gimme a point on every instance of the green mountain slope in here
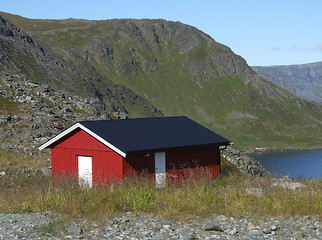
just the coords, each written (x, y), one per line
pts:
(20, 53)
(174, 69)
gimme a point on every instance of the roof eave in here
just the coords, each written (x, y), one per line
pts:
(143, 151)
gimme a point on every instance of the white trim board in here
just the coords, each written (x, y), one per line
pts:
(59, 136)
(94, 135)
(160, 169)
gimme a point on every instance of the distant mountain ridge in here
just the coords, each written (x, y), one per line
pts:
(144, 68)
(303, 80)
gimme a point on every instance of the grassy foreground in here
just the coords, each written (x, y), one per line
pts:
(204, 197)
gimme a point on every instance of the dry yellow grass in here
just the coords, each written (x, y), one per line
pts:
(228, 195)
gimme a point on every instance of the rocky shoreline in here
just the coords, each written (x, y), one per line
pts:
(244, 163)
(47, 225)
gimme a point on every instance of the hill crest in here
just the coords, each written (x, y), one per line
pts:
(154, 68)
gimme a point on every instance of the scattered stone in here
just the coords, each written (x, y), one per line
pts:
(267, 231)
(211, 226)
(234, 231)
(254, 191)
(288, 184)
(222, 218)
(253, 232)
(166, 226)
(2, 173)
(74, 229)
(46, 171)
(273, 228)
(47, 225)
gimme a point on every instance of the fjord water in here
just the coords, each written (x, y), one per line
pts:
(303, 164)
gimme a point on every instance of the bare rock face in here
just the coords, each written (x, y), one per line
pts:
(4, 30)
(304, 80)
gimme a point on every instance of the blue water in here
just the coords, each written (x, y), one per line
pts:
(303, 164)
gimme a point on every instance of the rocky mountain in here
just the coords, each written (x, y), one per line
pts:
(304, 80)
(141, 68)
(20, 53)
(32, 112)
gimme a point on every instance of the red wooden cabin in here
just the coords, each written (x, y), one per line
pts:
(163, 148)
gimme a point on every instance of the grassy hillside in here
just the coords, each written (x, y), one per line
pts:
(178, 70)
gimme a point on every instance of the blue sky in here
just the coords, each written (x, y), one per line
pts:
(264, 32)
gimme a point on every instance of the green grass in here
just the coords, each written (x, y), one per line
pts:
(22, 173)
(173, 90)
(195, 196)
(16, 161)
(8, 106)
(203, 198)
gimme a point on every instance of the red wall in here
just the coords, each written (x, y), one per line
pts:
(136, 164)
(78, 139)
(107, 165)
(181, 164)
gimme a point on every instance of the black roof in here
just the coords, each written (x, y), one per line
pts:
(154, 134)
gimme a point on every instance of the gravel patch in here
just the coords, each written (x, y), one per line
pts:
(21, 226)
(133, 226)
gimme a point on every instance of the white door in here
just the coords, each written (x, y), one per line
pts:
(85, 171)
(160, 172)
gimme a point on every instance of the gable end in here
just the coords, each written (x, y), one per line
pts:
(52, 141)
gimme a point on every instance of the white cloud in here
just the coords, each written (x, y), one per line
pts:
(295, 48)
(319, 47)
(276, 49)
